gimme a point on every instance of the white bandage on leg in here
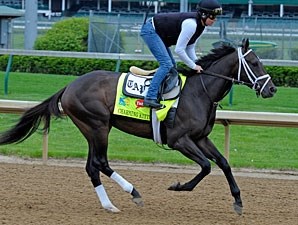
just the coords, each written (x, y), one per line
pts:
(104, 199)
(122, 182)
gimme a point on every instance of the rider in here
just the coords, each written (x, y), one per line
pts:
(180, 29)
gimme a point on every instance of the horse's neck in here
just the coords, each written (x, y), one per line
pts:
(216, 88)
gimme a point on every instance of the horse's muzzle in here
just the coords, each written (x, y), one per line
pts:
(268, 92)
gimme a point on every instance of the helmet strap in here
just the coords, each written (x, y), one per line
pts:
(203, 17)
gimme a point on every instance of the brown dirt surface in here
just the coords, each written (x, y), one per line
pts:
(61, 193)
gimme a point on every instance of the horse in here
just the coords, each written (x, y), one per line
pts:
(89, 102)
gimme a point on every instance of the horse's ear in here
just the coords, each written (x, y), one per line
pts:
(245, 44)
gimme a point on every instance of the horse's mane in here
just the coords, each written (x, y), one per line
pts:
(214, 55)
(206, 61)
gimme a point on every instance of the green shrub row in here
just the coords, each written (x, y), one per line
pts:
(68, 66)
(281, 76)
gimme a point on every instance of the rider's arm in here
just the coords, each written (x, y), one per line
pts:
(186, 53)
(191, 51)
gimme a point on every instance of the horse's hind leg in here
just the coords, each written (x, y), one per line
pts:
(128, 187)
(93, 166)
(92, 119)
(213, 154)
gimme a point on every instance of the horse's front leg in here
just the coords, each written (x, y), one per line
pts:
(188, 148)
(97, 162)
(213, 154)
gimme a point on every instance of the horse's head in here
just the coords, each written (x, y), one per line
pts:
(251, 70)
(244, 68)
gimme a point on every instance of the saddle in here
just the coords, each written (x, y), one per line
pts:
(137, 82)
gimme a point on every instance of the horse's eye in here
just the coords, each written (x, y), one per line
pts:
(255, 64)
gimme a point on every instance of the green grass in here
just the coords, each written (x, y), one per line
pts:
(251, 146)
(244, 99)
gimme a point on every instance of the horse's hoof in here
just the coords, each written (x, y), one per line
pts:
(174, 187)
(238, 209)
(138, 201)
(112, 209)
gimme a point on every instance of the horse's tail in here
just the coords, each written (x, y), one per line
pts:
(31, 119)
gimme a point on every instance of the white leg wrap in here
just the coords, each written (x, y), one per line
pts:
(104, 199)
(122, 182)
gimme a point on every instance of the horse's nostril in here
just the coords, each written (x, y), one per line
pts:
(273, 89)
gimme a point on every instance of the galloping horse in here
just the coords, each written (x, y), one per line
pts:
(89, 102)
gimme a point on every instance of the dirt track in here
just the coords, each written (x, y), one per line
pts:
(61, 193)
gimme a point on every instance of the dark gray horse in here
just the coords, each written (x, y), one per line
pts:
(89, 103)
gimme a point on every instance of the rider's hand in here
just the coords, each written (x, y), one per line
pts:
(198, 68)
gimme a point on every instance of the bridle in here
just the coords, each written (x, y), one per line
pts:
(250, 74)
(254, 80)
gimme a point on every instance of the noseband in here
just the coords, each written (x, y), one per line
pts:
(250, 74)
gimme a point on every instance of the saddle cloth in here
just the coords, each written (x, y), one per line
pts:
(131, 90)
(130, 94)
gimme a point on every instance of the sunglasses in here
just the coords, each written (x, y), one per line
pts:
(212, 15)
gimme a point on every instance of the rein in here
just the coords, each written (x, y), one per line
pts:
(220, 76)
(233, 80)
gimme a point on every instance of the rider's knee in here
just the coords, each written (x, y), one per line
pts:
(166, 66)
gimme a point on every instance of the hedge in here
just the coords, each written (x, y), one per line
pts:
(281, 76)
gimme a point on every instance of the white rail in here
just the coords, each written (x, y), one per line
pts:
(225, 118)
(272, 119)
(117, 56)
